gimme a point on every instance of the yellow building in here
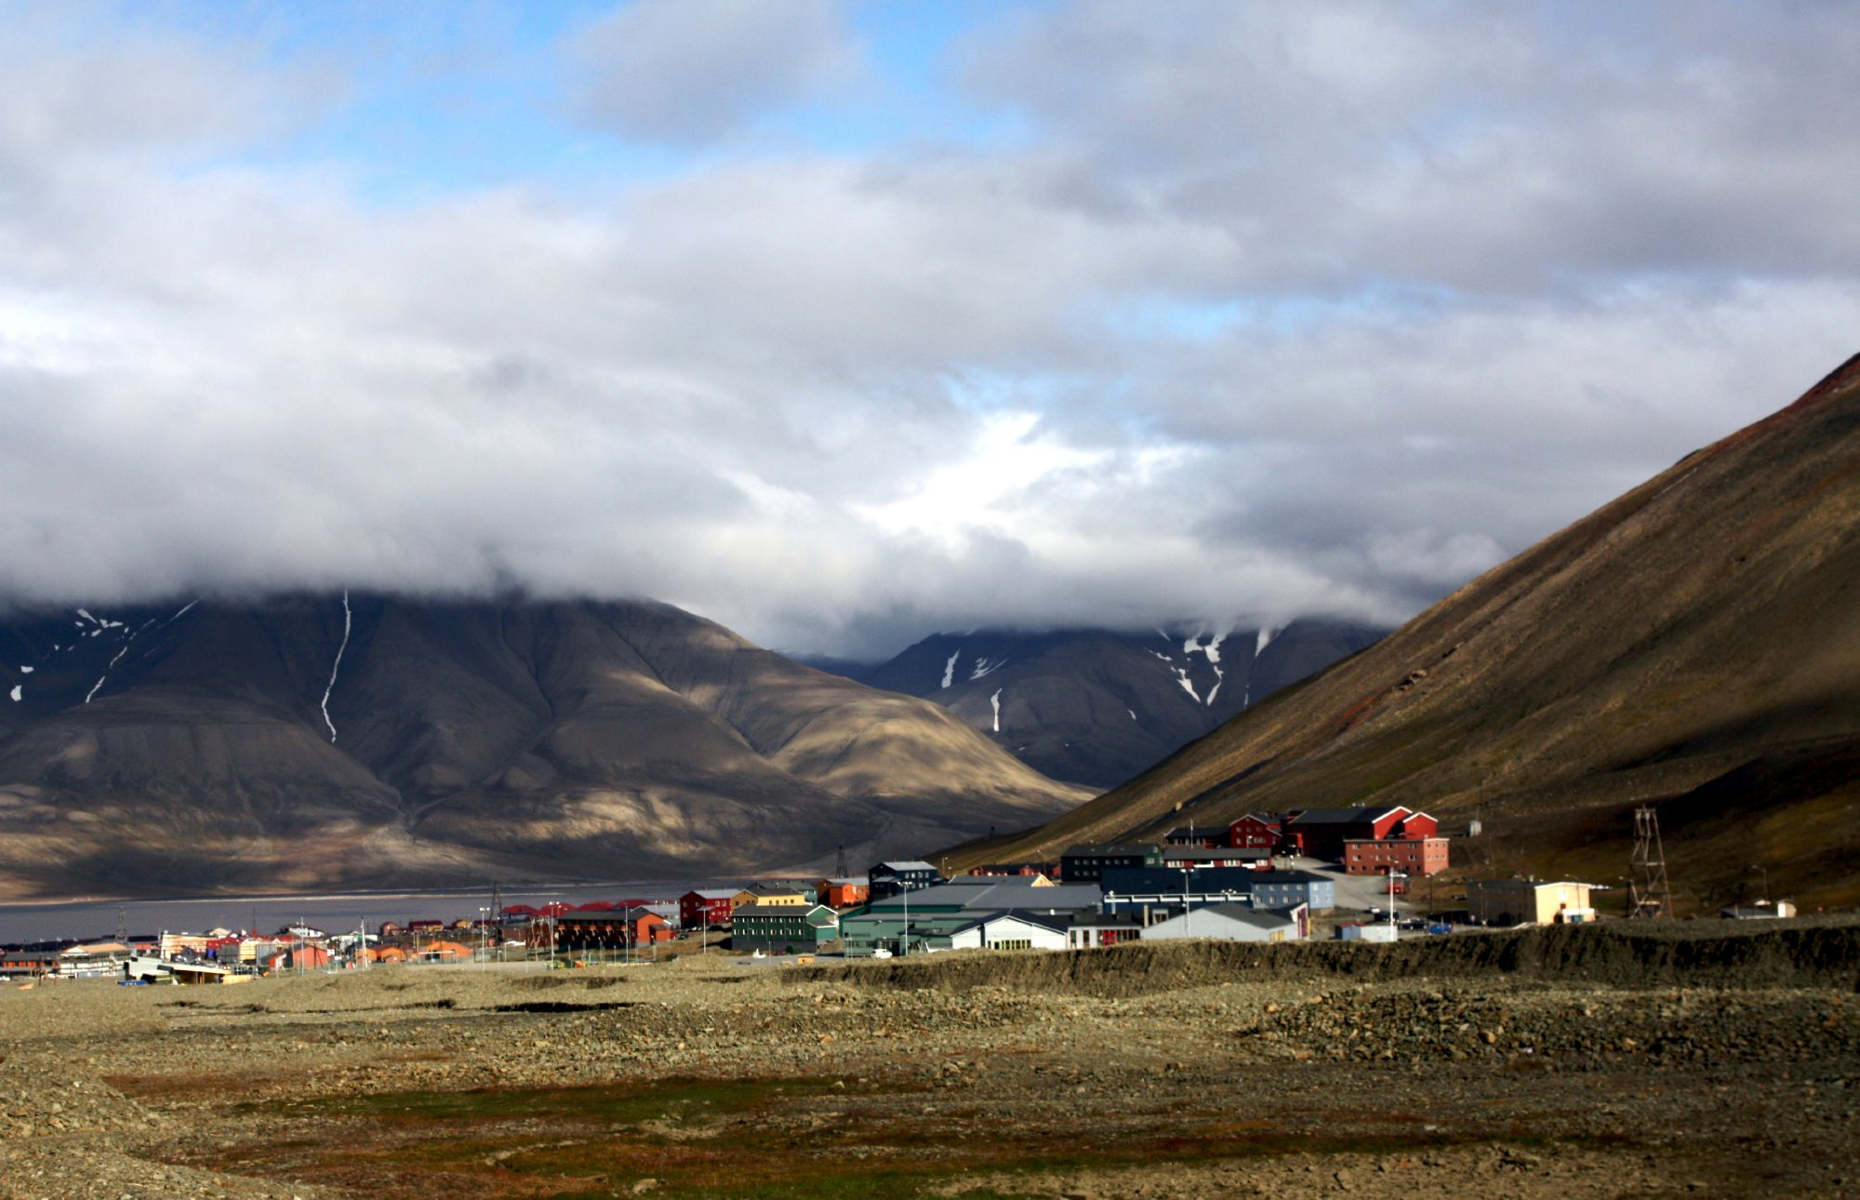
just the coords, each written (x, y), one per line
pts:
(774, 897)
(1527, 902)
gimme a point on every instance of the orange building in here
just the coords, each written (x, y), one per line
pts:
(842, 893)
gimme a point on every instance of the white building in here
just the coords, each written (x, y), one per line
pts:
(1230, 923)
(1010, 931)
(1528, 902)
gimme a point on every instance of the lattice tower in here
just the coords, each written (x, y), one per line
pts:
(1648, 893)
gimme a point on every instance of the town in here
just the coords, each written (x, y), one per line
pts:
(1282, 877)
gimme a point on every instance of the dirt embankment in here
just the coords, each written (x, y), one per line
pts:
(1677, 954)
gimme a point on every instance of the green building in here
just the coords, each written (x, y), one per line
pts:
(783, 928)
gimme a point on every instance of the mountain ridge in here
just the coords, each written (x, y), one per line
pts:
(1098, 706)
(1705, 622)
(395, 742)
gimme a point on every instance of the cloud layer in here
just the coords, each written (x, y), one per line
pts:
(1251, 311)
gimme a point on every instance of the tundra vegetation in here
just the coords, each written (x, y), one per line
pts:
(1604, 1061)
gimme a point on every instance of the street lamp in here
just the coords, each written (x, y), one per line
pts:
(1188, 914)
(1766, 880)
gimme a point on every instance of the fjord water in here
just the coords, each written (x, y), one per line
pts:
(98, 919)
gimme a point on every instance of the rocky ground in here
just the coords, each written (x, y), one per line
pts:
(1506, 1069)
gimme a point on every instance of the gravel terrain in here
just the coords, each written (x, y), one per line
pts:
(1510, 1065)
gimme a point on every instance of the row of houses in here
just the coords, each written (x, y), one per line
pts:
(1033, 911)
(716, 908)
(1367, 840)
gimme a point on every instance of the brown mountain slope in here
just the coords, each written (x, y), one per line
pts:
(368, 741)
(1695, 643)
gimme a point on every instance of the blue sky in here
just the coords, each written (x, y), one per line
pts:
(844, 322)
(437, 98)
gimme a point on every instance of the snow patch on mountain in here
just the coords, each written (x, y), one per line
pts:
(1264, 639)
(16, 693)
(949, 668)
(335, 666)
(996, 701)
(986, 666)
(1192, 645)
(94, 687)
(25, 670)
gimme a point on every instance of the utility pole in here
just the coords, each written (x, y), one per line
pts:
(497, 919)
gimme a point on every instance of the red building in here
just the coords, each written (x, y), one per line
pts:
(647, 927)
(1255, 832)
(1416, 856)
(612, 930)
(705, 907)
(300, 958)
(1322, 832)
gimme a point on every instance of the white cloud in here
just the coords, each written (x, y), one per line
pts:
(684, 71)
(1273, 309)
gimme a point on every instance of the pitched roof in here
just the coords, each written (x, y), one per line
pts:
(895, 867)
(1099, 920)
(1345, 816)
(1258, 918)
(752, 909)
(1144, 848)
(776, 889)
(1057, 922)
(1170, 880)
(1291, 876)
(1335, 816)
(1172, 853)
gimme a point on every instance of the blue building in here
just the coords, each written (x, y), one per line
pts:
(891, 878)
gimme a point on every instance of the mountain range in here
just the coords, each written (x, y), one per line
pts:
(1693, 645)
(359, 740)
(1096, 707)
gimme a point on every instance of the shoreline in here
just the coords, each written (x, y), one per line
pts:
(518, 887)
